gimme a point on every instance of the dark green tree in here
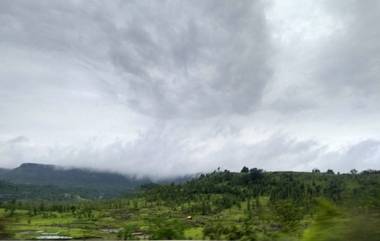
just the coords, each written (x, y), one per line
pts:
(3, 233)
(244, 170)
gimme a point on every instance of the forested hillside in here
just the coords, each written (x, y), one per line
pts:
(42, 174)
(278, 204)
(40, 181)
(250, 205)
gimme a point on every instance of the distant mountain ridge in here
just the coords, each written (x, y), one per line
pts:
(33, 180)
(42, 174)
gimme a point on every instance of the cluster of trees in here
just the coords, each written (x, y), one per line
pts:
(291, 196)
(224, 188)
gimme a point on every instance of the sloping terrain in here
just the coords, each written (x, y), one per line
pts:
(91, 183)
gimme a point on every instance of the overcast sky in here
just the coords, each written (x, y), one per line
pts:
(175, 87)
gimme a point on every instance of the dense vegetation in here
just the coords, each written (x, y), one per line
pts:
(250, 205)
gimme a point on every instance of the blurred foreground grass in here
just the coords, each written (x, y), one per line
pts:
(334, 224)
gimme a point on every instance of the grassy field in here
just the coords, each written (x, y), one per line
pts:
(114, 223)
(111, 223)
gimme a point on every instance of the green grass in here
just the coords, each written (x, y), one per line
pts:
(22, 226)
(194, 233)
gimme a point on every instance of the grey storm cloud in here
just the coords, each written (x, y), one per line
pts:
(351, 59)
(195, 63)
(201, 54)
(174, 87)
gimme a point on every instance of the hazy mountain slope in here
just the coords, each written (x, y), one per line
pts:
(3, 171)
(39, 174)
(11, 191)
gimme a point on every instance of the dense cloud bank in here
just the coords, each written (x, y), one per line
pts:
(175, 87)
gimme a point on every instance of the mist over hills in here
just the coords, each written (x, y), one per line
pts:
(32, 180)
(69, 181)
(41, 174)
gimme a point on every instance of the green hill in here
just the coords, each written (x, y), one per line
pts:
(76, 181)
(258, 205)
(222, 205)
